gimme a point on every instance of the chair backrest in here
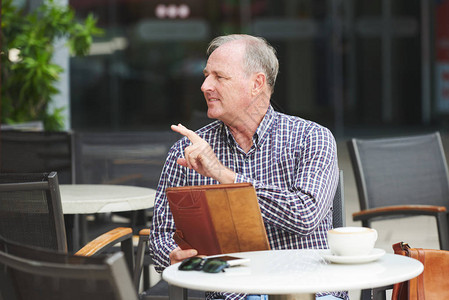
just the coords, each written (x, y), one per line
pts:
(32, 273)
(37, 152)
(31, 210)
(338, 213)
(131, 158)
(397, 171)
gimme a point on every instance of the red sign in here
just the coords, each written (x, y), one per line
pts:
(442, 30)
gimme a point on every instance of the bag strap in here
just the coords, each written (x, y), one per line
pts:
(413, 283)
(414, 288)
(421, 288)
(400, 290)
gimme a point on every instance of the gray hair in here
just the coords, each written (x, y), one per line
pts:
(259, 56)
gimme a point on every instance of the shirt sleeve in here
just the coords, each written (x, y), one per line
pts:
(300, 208)
(161, 234)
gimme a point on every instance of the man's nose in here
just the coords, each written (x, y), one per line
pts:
(207, 85)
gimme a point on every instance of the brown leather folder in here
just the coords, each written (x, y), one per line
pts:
(216, 219)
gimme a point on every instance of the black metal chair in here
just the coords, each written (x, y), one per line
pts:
(338, 213)
(398, 177)
(131, 158)
(31, 273)
(403, 176)
(31, 214)
(37, 152)
(31, 211)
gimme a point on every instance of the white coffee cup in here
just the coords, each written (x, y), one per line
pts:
(351, 241)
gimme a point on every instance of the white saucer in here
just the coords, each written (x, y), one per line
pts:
(375, 254)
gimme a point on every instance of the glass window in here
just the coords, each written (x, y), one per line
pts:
(146, 71)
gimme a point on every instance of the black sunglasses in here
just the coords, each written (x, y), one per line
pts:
(208, 265)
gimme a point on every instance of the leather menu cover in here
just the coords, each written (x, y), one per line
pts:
(193, 223)
(216, 219)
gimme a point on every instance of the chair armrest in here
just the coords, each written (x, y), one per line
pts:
(105, 241)
(398, 210)
(144, 233)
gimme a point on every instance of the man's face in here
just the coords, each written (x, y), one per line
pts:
(226, 87)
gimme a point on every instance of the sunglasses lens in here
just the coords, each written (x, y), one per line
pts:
(214, 265)
(193, 263)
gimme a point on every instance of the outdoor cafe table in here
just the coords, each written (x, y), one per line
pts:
(82, 199)
(294, 272)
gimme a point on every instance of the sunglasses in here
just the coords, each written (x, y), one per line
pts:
(208, 265)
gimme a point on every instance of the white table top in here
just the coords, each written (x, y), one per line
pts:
(297, 272)
(101, 198)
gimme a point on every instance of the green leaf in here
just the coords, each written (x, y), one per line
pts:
(29, 85)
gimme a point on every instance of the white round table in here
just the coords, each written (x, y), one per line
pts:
(81, 199)
(103, 198)
(282, 272)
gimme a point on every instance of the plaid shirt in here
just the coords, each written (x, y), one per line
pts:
(293, 167)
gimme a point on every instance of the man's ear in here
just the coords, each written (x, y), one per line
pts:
(259, 83)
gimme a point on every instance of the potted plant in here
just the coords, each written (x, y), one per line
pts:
(28, 74)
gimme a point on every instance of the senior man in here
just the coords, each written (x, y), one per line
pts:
(291, 162)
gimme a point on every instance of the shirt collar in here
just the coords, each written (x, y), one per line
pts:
(261, 131)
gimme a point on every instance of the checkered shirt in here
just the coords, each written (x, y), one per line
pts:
(293, 167)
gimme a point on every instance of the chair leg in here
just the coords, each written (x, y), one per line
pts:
(128, 251)
(146, 277)
(175, 292)
(366, 294)
(139, 261)
(72, 232)
(84, 239)
(380, 293)
(443, 230)
(366, 223)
